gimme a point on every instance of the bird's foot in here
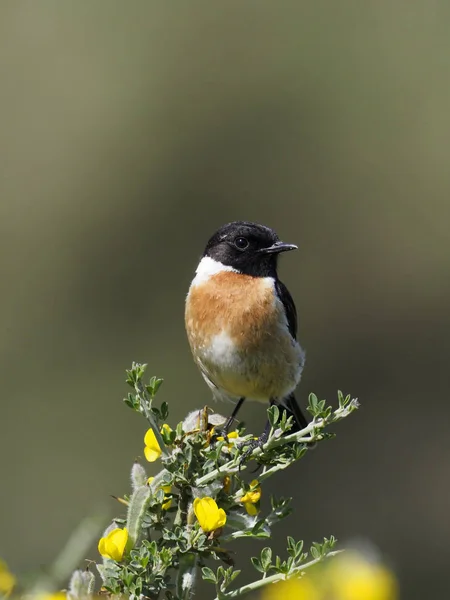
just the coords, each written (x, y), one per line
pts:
(252, 445)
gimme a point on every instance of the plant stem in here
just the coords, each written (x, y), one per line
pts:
(186, 576)
(255, 585)
(145, 403)
(264, 475)
(232, 466)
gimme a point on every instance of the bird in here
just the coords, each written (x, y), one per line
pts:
(241, 321)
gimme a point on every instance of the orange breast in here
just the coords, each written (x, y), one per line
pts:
(238, 333)
(239, 304)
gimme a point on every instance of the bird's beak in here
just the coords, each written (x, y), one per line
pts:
(278, 247)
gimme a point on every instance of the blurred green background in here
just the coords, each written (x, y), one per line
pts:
(129, 133)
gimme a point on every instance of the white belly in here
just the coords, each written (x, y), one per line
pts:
(272, 371)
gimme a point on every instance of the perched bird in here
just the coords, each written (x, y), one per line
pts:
(241, 321)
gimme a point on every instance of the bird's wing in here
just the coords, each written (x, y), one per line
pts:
(289, 307)
(206, 375)
(217, 391)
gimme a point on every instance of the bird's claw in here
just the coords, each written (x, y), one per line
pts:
(251, 445)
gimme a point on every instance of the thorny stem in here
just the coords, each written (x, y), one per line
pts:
(255, 585)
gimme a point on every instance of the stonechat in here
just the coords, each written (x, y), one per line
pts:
(241, 320)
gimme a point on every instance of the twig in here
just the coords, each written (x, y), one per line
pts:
(234, 465)
(255, 585)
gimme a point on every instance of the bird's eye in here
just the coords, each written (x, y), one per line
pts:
(241, 243)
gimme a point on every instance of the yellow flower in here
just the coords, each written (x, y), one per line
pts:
(352, 577)
(166, 489)
(113, 545)
(7, 580)
(209, 436)
(231, 436)
(294, 589)
(209, 515)
(251, 509)
(152, 451)
(251, 499)
(227, 484)
(349, 576)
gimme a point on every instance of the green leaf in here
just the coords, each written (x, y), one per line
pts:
(343, 401)
(327, 412)
(313, 402)
(132, 401)
(295, 548)
(158, 383)
(266, 558)
(299, 450)
(273, 414)
(209, 575)
(259, 525)
(139, 502)
(257, 564)
(290, 563)
(153, 385)
(234, 574)
(209, 465)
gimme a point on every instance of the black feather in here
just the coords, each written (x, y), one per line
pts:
(290, 402)
(289, 307)
(300, 421)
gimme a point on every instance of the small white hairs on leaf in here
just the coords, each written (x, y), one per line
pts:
(138, 476)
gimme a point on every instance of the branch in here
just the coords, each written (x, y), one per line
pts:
(278, 439)
(255, 585)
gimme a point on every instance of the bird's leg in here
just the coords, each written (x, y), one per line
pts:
(260, 441)
(230, 419)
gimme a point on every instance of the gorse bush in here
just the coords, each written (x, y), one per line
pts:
(179, 523)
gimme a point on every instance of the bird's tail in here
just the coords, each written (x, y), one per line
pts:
(292, 406)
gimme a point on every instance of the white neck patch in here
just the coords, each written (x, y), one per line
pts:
(208, 267)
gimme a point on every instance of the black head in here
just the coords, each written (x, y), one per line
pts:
(248, 247)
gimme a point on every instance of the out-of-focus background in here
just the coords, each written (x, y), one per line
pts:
(129, 133)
